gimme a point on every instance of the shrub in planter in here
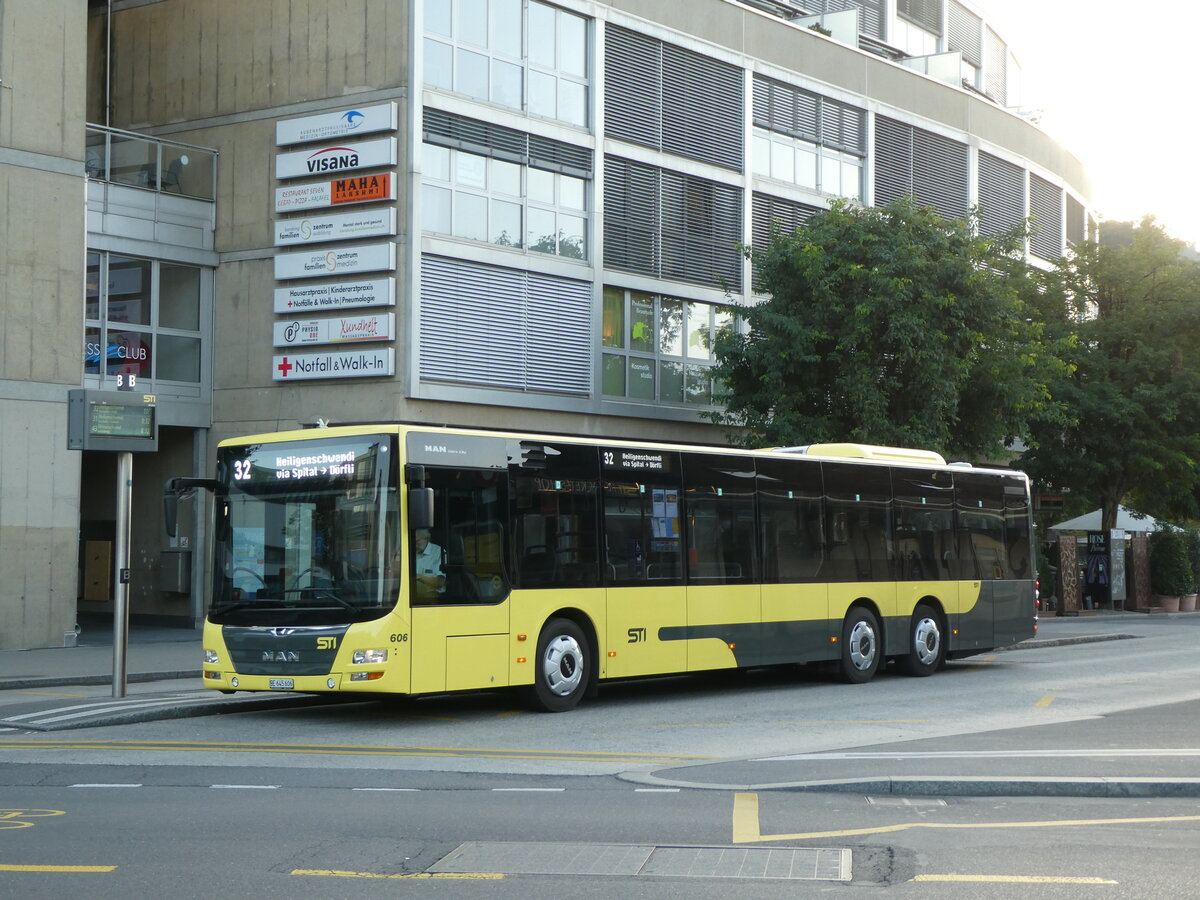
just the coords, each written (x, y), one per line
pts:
(1170, 566)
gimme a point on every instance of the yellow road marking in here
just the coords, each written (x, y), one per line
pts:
(746, 828)
(1013, 879)
(15, 818)
(1044, 702)
(50, 694)
(351, 750)
(444, 876)
(14, 868)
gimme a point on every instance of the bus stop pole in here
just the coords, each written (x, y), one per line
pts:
(121, 579)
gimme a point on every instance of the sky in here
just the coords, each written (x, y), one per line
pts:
(1117, 85)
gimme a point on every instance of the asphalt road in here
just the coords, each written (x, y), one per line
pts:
(699, 785)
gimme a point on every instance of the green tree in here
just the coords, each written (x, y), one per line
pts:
(1129, 308)
(886, 325)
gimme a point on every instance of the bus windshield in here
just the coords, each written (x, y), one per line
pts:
(304, 530)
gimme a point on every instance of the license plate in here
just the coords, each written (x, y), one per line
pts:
(281, 684)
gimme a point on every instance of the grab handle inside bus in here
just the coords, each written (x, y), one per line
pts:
(173, 489)
(420, 507)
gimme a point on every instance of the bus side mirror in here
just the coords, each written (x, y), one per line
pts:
(420, 507)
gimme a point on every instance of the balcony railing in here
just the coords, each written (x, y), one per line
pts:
(125, 157)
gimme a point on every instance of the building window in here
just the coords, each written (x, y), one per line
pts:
(659, 349)
(143, 318)
(525, 55)
(504, 203)
(805, 139)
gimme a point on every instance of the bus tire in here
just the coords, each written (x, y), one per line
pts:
(562, 667)
(926, 643)
(861, 649)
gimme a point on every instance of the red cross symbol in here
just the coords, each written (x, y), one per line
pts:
(285, 367)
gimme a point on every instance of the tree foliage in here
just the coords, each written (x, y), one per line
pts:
(886, 325)
(1129, 312)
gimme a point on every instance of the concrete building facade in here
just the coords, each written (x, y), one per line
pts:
(509, 213)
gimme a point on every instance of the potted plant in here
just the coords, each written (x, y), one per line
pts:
(1187, 602)
(1171, 575)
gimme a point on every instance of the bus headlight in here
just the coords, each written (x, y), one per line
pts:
(365, 657)
(210, 657)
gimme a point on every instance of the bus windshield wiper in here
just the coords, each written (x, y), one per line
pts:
(322, 593)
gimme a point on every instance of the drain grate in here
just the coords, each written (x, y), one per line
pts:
(800, 864)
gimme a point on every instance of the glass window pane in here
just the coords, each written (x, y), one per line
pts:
(542, 234)
(506, 223)
(435, 209)
(831, 174)
(851, 180)
(572, 44)
(129, 290)
(572, 102)
(178, 358)
(93, 287)
(543, 90)
(641, 322)
(806, 167)
(670, 333)
(572, 192)
(128, 353)
(179, 297)
(783, 161)
(470, 170)
(698, 337)
(472, 74)
(640, 385)
(470, 216)
(506, 27)
(613, 379)
(91, 351)
(506, 177)
(472, 22)
(439, 65)
(670, 385)
(762, 155)
(540, 186)
(613, 327)
(541, 35)
(699, 385)
(437, 17)
(506, 83)
(572, 237)
(436, 162)
(722, 320)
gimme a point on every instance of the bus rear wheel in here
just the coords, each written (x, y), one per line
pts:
(926, 644)
(562, 667)
(861, 652)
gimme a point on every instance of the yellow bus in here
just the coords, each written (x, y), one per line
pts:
(414, 560)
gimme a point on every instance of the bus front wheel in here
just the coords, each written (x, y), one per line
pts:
(926, 646)
(562, 667)
(861, 652)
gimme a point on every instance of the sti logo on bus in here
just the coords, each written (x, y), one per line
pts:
(326, 643)
(637, 635)
(340, 158)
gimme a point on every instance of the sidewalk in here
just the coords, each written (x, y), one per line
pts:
(164, 654)
(153, 654)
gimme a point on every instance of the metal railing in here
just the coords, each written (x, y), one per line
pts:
(125, 157)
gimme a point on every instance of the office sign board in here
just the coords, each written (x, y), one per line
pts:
(340, 330)
(336, 261)
(339, 157)
(335, 295)
(334, 364)
(339, 192)
(331, 125)
(336, 227)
